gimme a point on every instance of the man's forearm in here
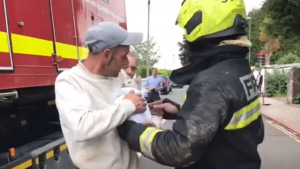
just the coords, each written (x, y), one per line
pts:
(99, 122)
(159, 88)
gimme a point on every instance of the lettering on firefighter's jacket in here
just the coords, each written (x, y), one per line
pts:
(249, 84)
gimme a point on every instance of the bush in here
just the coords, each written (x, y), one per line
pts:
(277, 84)
(297, 99)
(143, 71)
(288, 58)
(257, 65)
(164, 72)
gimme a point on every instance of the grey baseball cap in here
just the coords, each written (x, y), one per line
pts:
(107, 35)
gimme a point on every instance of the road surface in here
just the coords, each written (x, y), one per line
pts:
(278, 151)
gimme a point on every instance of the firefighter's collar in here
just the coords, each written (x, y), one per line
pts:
(203, 60)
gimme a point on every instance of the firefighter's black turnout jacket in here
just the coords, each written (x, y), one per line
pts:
(219, 126)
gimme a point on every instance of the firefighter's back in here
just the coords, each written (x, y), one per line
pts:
(235, 144)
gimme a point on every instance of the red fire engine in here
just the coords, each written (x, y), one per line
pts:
(39, 39)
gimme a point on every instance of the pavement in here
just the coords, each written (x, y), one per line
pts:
(287, 115)
(280, 150)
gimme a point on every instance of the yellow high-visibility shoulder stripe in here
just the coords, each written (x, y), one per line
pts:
(40, 47)
(245, 116)
(146, 140)
(185, 96)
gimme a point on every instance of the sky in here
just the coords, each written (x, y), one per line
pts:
(163, 14)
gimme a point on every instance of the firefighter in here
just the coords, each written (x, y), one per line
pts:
(219, 126)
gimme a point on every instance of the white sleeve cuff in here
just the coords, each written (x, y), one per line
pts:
(129, 106)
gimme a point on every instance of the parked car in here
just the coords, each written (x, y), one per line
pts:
(170, 83)
(167, 84)
(143, 89)
(177, 85)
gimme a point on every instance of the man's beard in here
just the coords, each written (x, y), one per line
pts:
(112, 67)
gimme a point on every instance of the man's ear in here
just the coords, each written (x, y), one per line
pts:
(106, 54)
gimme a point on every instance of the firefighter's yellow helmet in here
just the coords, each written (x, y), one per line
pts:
(212, 18)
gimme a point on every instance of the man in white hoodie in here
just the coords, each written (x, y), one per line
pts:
(85, 97)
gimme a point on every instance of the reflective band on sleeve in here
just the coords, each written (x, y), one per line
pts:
(146, 141)
(185, 97)
(244, 116)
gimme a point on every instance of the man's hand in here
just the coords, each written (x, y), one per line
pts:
(137, 100)
(158, 89)
(150, 88)
(168, 107)
(138, 80)
(158, 108)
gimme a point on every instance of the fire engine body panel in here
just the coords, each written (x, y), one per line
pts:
(34, 35)
(38, 40)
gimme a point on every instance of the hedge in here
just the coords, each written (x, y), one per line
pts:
(277, 83)
(143, 71)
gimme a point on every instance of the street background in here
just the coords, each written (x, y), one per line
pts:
(278, 151)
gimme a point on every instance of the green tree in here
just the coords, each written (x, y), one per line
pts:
(282, 22)
(288, 58)
(277, 21)
(285, 16)
(256, 21)
(141, 51)
(184, 52)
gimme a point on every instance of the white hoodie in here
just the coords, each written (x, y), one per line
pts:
(89, 118)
